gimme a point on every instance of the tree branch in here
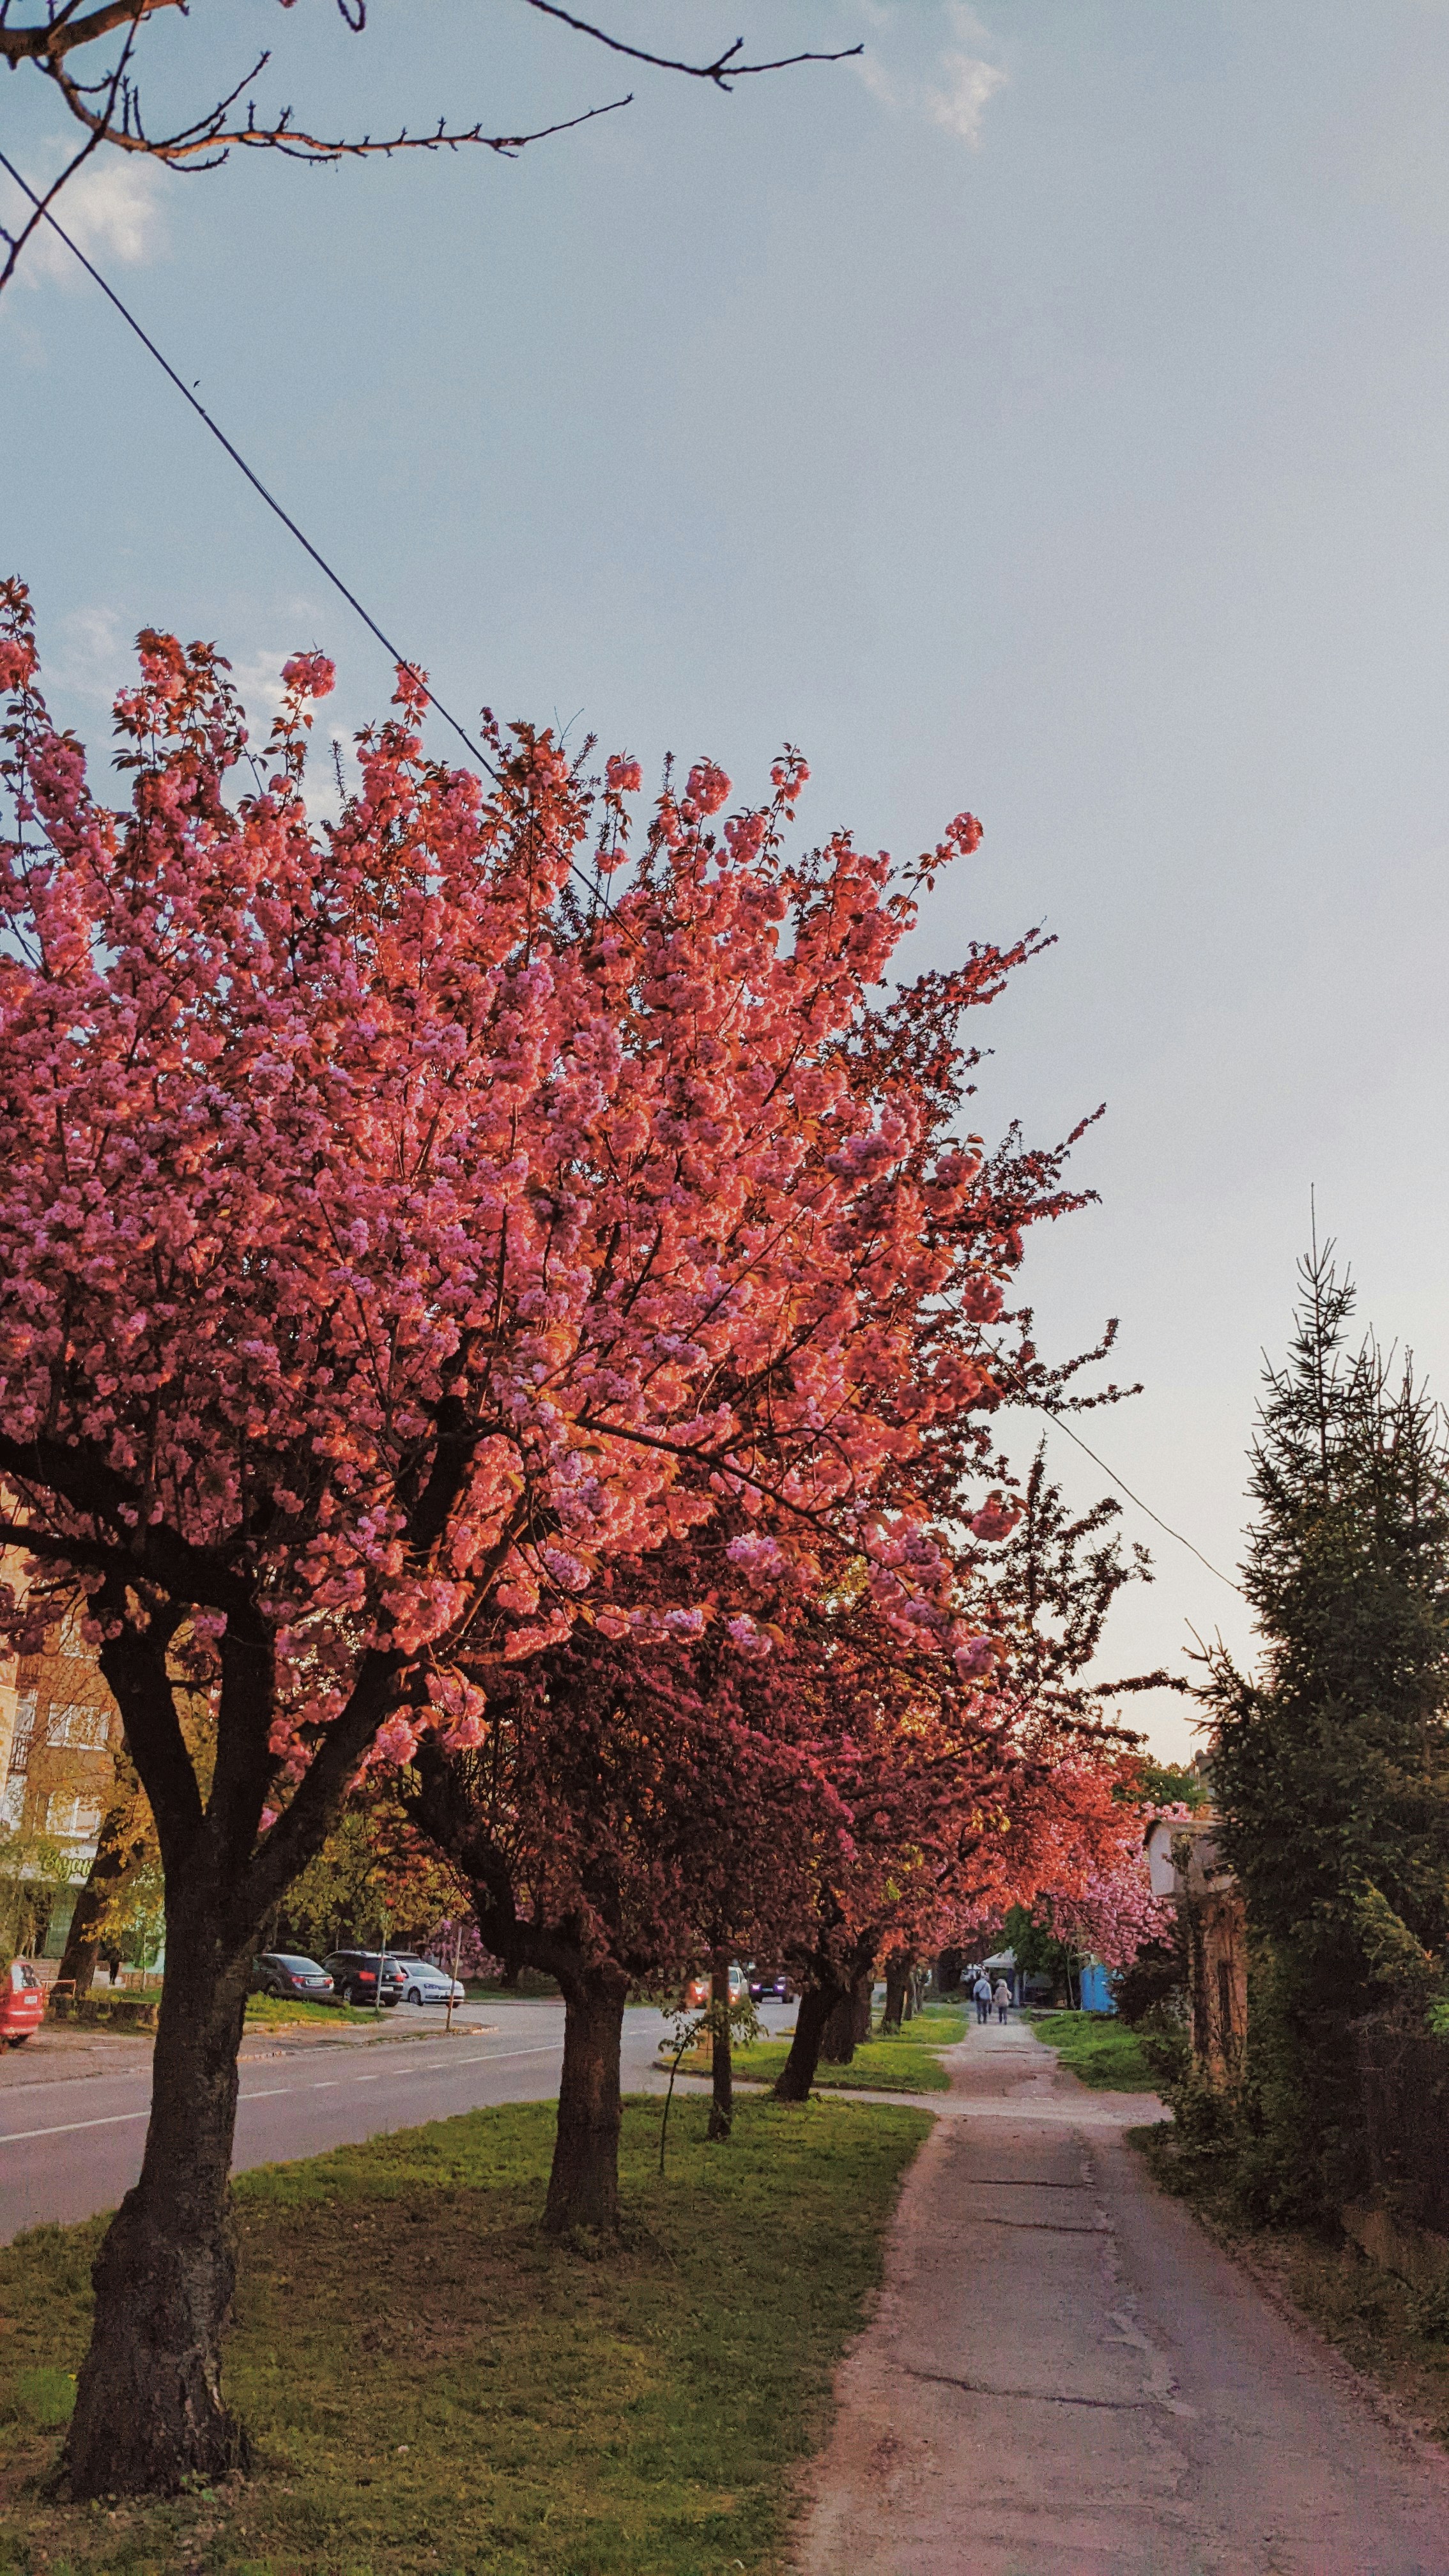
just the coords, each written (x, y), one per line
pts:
(721, 71)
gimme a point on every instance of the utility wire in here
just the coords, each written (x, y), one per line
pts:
(255, 480)
(591, 884)
(1124, 1488)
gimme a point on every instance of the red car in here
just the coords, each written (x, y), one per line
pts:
(22, 2003)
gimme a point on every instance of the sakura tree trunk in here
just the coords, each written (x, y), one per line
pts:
(837, 2043)
(83, 1940)
(149, 2411)
(898, 1989)
(722, 2102)
(862, 1994)
(798, 2072)
(583, 2188)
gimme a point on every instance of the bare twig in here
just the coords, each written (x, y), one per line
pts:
(110, 108)
(722, 70)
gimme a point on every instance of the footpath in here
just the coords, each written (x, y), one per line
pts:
(1065, 2377)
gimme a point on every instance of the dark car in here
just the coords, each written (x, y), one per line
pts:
(771, 1985)
(282, 1972)
(355, 1975)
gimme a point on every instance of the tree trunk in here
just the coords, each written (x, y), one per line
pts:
(798, 2072)
(864, 1993)
(583, 2188)
(149, 2413)
(83, 1940)
(898, 1988)
(722, 2103)
(912, 1997)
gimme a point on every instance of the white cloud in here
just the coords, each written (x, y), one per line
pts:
(110, 208)
(90, 656)
(963, 85)
(970, 83)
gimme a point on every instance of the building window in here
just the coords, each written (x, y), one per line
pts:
(20, 1741)
(12, 1803)
(72, 1721)
(70, 1813)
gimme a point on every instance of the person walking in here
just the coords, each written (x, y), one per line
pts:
(982, 1992)
(1002, 1999)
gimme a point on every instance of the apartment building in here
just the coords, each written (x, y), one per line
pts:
(58, 1724)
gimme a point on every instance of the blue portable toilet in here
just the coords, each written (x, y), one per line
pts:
(1097, 1995)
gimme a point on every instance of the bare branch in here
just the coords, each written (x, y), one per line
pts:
(721, 71)
(62, 33)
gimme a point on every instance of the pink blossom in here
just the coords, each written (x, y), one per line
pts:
(707, 786)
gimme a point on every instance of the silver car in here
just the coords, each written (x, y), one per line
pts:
(425, 1983)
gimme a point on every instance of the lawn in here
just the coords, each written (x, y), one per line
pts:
(276, 2012)
(435, 2386)
(903, 2061)
(1099, 2048)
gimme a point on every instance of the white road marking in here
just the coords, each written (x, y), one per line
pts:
(63, 2127)
(483, 2057)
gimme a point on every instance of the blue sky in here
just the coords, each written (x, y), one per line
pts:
(1047, 415)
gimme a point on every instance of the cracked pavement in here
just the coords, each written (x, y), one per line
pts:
(1065, 2377)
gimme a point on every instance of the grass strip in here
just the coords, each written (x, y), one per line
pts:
(903, 2061)
(1393, 2334)
(433, 2385)
(1099, 2049)
(277, 2012)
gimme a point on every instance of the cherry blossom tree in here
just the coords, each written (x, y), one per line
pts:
(395, 1234)
(633, 1808)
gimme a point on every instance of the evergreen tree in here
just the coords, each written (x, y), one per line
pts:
(1332, 1767)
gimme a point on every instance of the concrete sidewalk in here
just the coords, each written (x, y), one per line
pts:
(1065, 2377)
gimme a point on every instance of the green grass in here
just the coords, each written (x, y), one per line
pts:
(274, 2012)
(903, 2062)
(435, 2386)
(1099, 2048)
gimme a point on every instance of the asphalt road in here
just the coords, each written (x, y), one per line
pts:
(71, 2142)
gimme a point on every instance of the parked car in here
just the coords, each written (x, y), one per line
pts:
(355, 1974)
(22, 2003)
(696, 1993)
(425, 1983)
(771, 1986)
(282, 1972)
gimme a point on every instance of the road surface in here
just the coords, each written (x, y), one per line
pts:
(70, 2142)
(1064, 2377)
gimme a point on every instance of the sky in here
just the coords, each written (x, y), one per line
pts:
(1044, 413)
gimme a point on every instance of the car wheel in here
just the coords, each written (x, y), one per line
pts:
(413, 1995)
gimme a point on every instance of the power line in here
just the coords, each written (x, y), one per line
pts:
(255, 480)
(591, 884)
(1124, 1488)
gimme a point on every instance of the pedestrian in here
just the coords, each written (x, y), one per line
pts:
(1003, 1999)
(982, 1992)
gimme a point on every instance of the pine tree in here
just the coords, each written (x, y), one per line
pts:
(1332, 1767)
